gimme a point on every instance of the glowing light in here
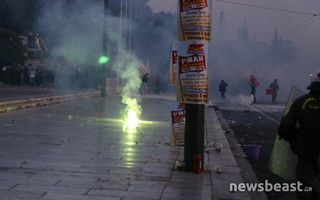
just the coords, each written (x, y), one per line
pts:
(103, 59)
(132, 120)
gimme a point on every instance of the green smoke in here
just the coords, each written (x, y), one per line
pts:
(127, 67)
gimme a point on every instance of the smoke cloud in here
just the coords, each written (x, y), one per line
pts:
(75, 31)
(233, 51)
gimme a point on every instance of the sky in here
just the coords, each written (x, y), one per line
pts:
(284, 15)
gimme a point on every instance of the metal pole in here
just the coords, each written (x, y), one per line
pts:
(194, 134)
(119, 41)
(104, 50)
(125, 25)
(130, 26)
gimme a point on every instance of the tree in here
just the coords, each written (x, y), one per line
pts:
(12, 49)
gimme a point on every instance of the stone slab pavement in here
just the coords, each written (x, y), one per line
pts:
(80, 150)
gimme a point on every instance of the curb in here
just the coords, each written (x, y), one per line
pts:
(7, 106)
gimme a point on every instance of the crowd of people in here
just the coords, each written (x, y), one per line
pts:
(17, 74)
(67, 75)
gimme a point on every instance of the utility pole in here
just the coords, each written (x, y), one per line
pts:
(193, 91)
(194, 134)
(104, 50)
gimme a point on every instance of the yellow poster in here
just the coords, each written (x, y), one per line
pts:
(177, 123)
(194, 20)
(192, 76)
(173, 63)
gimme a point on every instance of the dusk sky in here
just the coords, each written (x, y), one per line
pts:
(292, 18)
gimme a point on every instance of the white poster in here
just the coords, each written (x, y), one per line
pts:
(192, 72)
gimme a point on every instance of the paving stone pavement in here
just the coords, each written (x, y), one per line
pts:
(79, 150)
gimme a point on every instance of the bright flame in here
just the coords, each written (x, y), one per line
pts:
(132, 120)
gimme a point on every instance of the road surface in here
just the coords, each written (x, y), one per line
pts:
(255, 124)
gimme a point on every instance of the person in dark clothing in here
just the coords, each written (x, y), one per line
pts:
(301, 128)
(223, 88)
(253, 86)
(145, 79)
(157, 85)
(26, 72)
(275, 87)
(13, 73)
(18, 74)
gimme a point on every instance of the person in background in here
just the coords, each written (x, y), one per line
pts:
(26, 72)
(253, 85)
(18, 74)
(145, 79)
(223, 88)
(157, 84)
(275, 87)
(13, 74)
(32, 76)
(301, 128)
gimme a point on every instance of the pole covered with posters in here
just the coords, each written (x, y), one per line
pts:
(194, 28)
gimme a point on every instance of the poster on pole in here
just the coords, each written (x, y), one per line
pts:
(177, 123)
(194, 20)
(173, 63)
(192, 72)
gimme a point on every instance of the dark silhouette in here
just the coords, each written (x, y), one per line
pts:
(301, 128)
(223, 88)
(253, 84)
(275, 87)
(157, 85)
(145, 80)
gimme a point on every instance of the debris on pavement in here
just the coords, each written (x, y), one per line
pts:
(218, 170)
(213, 146)
(179, 165)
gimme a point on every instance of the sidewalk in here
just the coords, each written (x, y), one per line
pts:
(37, 166)
(14, 98)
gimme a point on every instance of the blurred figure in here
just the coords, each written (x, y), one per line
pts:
(3, 75)
(145, 79)
(18, 74)
(223, 88)
(253, 83)
(275, 87)
(32, 76)
(26, 72)
(301, 128)
(13, 73)
(157, 85)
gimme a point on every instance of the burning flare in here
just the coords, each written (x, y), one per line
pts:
(132, 120)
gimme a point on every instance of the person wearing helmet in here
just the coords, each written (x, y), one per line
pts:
(301, 128)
